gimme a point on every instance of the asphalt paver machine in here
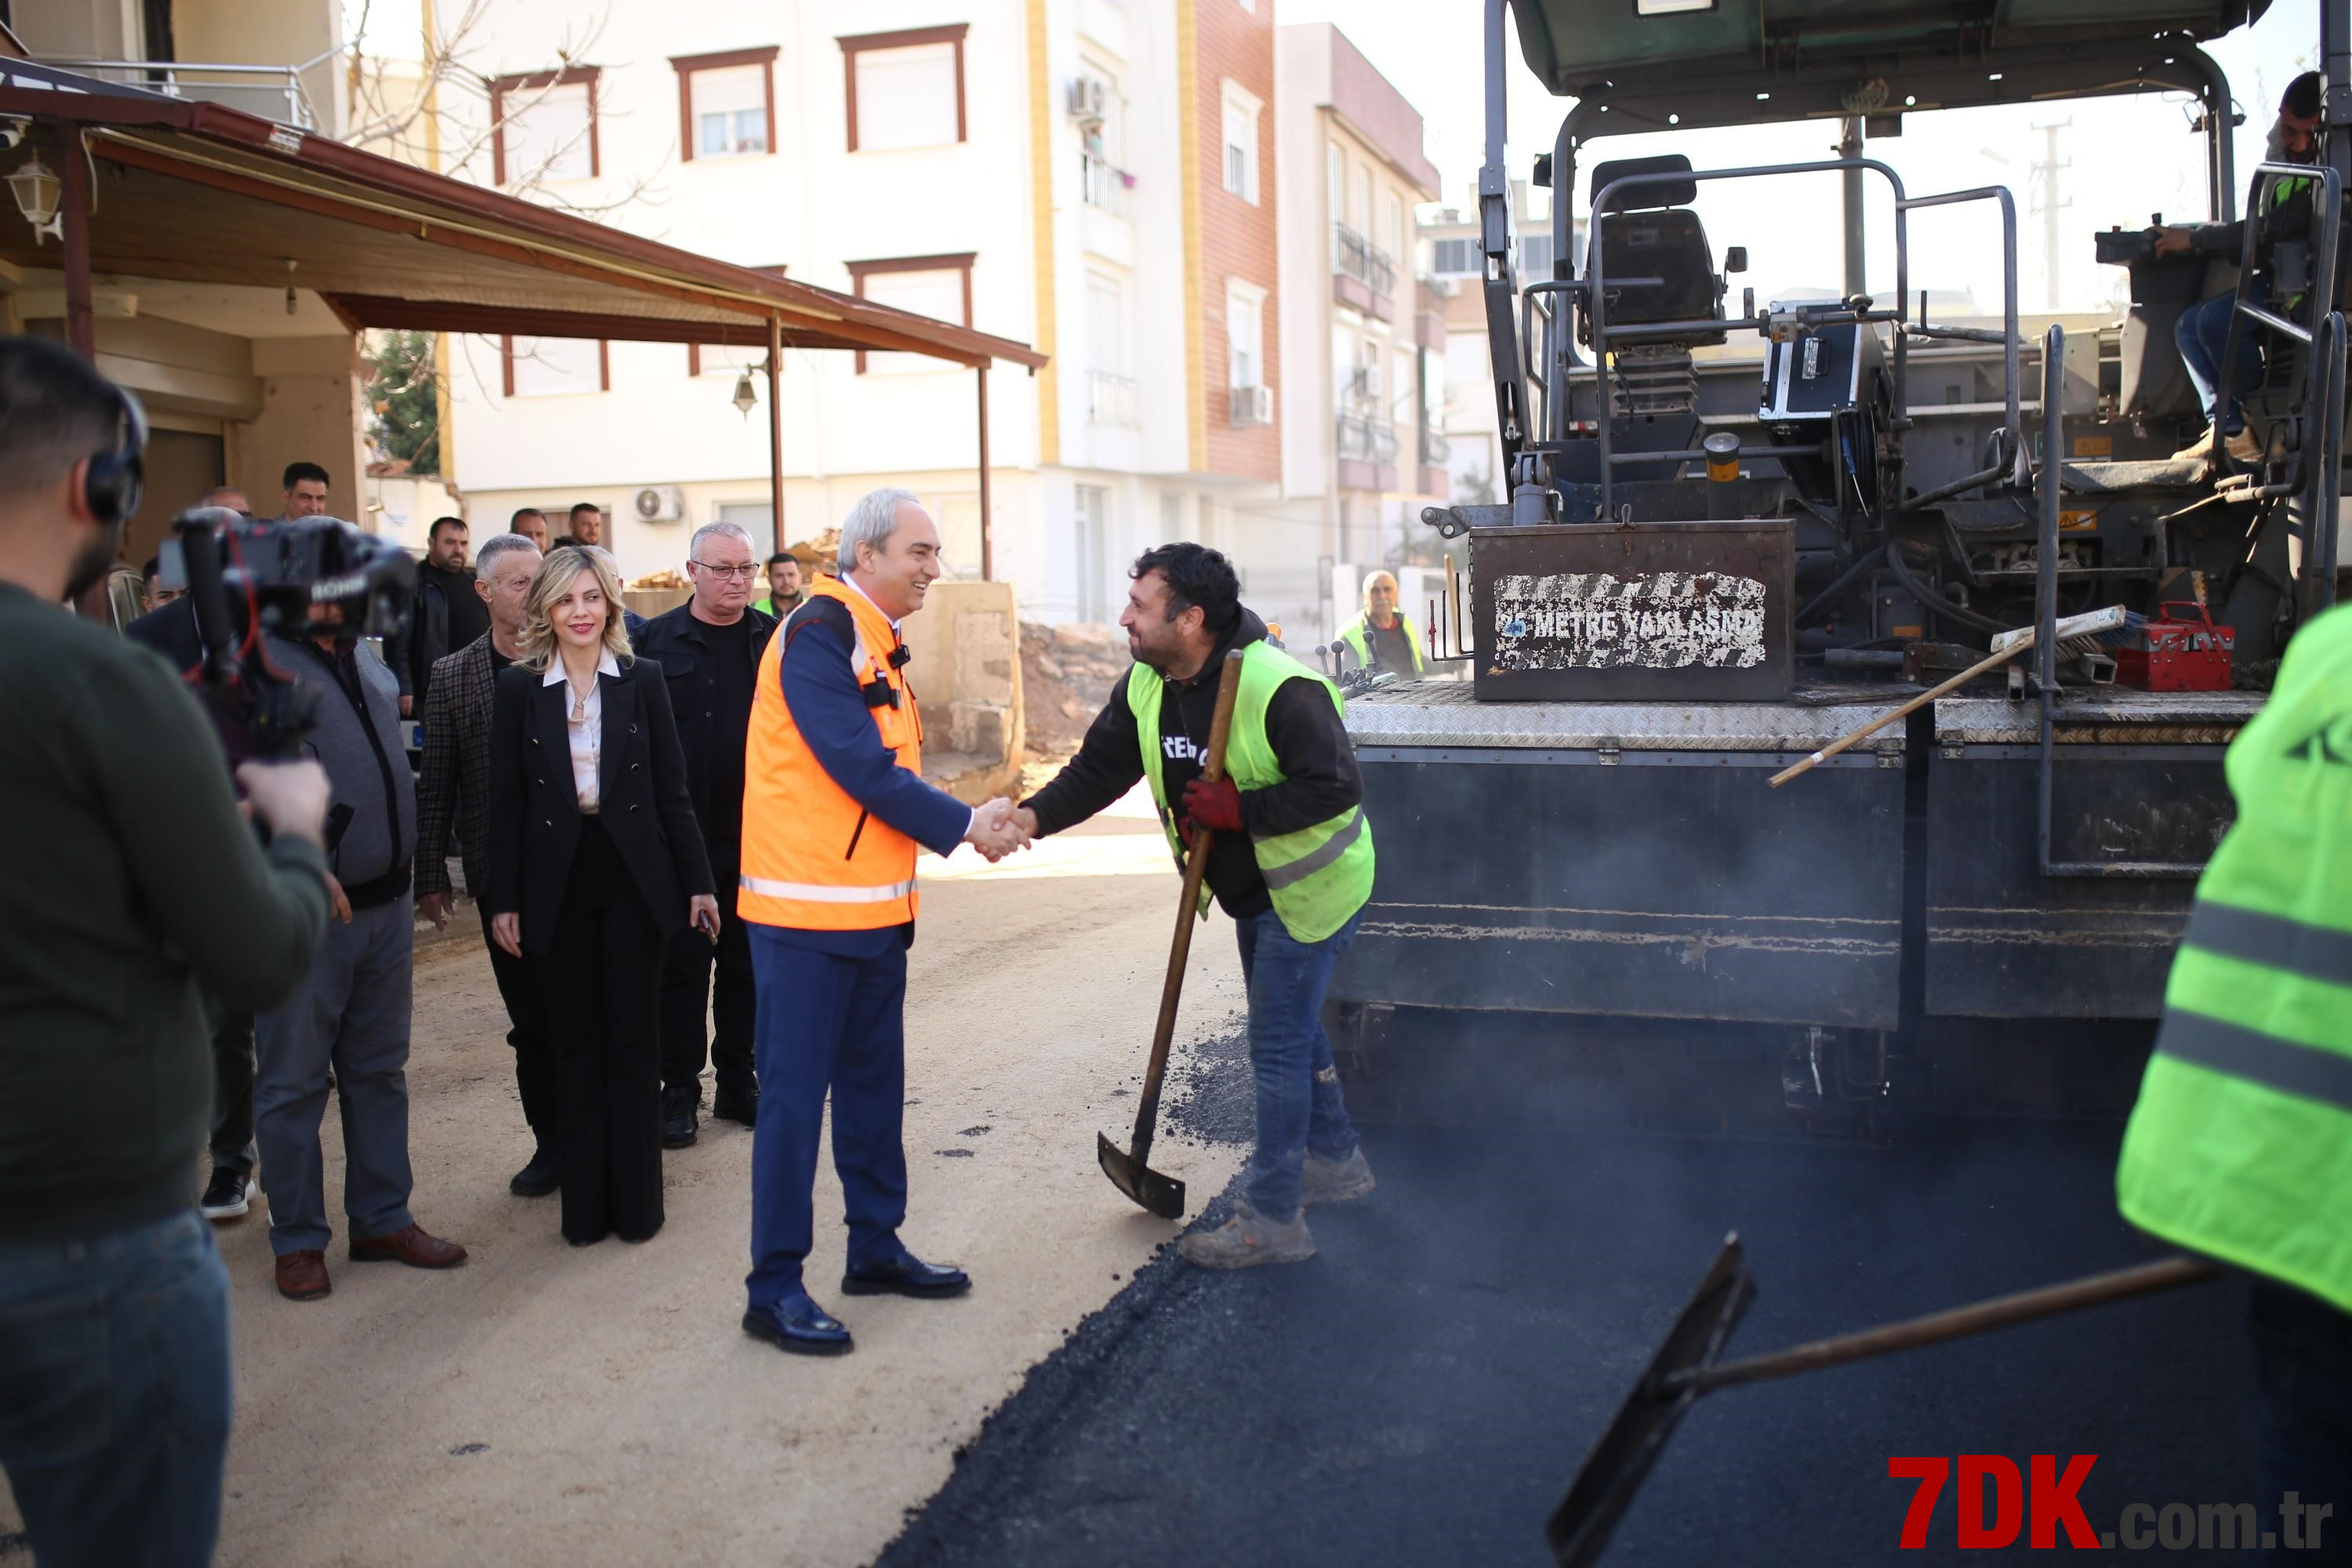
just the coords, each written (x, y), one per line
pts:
(1737, 530)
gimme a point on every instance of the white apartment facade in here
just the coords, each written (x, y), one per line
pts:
(1063, 172)
(1363, 446)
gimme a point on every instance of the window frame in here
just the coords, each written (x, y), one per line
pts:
(507, 368)
(535, 81)
(1241, 291)
(958, 261)
(687, 64)
(1232, 97)
(856, 44)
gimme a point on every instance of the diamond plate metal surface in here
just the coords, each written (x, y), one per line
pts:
(2111, 716)
(1447, 714)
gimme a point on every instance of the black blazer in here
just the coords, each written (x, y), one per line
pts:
(641, 799)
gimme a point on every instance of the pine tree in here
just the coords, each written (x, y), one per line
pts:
(403, 394)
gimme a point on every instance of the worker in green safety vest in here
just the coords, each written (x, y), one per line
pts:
(1291, 862)
(1384, 637)
(2282, 213)
(2240, 1146)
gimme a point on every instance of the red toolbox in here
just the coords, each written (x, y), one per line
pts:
(2180, 650)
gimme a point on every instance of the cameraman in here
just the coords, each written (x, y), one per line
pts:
(129, 879)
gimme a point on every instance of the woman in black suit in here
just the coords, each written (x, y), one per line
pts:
(595, 862)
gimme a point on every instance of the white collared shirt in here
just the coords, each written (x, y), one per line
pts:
(584, 726)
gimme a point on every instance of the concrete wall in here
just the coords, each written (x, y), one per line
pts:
(312, 395)
(966, 673)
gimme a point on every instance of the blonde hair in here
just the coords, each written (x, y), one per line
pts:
(554, 578)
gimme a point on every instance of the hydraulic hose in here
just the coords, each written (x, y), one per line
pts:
(1933, 601)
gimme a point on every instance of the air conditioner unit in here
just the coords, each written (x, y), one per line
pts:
(1365, 387)
(1090, 98)
(660, 503)
(1252, 406)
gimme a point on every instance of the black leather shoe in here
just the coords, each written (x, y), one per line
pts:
(799, 1325)
(678, 1117)
(539, 1178)
(737, 1103)
(904, 1275)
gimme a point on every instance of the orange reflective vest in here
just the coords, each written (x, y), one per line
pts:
(813, 857)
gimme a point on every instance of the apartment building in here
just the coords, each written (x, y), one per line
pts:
(1363, 445)
(1094, 177)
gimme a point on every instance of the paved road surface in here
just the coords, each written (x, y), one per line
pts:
(1422, 1391)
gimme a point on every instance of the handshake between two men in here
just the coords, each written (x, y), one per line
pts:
(1000, 828)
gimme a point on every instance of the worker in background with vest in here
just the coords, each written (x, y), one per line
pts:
(1291, 863)
(2240, 1146)
(1384, 638)
(833, 805)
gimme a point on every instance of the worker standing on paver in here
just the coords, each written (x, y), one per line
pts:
(1291, 863)
(2240, 1146)
(1384, 637)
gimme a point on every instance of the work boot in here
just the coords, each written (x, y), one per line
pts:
(1247, 1240)
(679, 1120)
(1328, 1180)
(2245, 446)
(2199, 449)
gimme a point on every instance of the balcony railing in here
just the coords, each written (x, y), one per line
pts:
(1436, 452)
(1104, 186)
(1353, 255)
(1110, 400)
(1362, 441)
(273, 92)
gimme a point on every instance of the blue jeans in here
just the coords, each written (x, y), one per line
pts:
(1299, 1102)
(2203, 335)
(2303, 1431)
(114, 1394)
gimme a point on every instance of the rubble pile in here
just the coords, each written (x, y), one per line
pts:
(1066, 672)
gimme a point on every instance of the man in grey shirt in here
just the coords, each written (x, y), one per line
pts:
(351, 1015)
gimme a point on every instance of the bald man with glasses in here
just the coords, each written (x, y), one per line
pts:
(709, 649)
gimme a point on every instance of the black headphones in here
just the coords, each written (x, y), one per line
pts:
(115, 479)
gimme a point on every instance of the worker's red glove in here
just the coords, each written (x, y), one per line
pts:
(1216, 807)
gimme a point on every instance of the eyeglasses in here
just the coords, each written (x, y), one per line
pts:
(741, 574)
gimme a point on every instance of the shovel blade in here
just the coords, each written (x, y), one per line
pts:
(1613, 1471)
(1162, 1196)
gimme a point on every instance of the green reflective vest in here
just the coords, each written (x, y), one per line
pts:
(1318, 876)
(2240, 1146)
(1357, 634)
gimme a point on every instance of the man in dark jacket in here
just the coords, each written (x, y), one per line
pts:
(1290, 861)
(2280, 215)
(456, 788)
(709, 649)
(351, 1015)
(445, 614)
(131, 883)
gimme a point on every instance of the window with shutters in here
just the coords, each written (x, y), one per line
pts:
(905, 88)
(544, 127)
(938, 287)
(1244, 335)
(727, 103)
(1241, 117)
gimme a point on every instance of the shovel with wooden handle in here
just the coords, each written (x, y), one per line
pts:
(1685, 1367)
(1130, 1172)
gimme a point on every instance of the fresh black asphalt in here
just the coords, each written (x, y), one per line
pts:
(1423, 1390)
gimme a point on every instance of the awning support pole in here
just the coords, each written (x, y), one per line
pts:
(776, 432)
(73, 174)
(987, 522)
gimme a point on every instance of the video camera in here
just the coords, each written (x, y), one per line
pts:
(294, 579)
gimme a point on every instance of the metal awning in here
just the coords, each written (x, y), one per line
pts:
(198, 191)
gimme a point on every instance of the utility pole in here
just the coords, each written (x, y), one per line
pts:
(2050, 206)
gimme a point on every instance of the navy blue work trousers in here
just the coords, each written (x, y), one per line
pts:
(827, 1023)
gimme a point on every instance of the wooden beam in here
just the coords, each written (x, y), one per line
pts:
(987, 523)
(776, 431)
(73, 174)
